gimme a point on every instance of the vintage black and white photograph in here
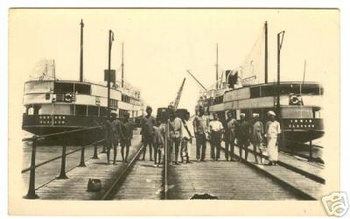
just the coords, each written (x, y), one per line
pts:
(110, 106)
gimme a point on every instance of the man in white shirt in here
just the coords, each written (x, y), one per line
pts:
(273, 129)
(186, 139)
(215, 133)
(175, 126)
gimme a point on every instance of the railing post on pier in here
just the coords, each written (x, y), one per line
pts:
(31, 191)
(95, 152)
(82, 157)
(63, 163)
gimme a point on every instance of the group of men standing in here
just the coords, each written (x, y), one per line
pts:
(231, 131)
(241, 132)
(118, 131)
(154, 134)
(254, 133)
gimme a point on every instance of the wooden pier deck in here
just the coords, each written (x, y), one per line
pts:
(224, 179)
(75, 187)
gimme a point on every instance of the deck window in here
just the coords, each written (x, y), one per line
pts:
(285, 89)
(255, 92)
(93, 111)
(113, 103)
(125, 98)
(268, 91)
(83, 89)
(80, 110)
(62, 88)
(34, 110)
(103, 112)
(317, 113)
(314, 89)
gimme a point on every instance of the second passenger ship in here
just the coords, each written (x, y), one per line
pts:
(298, 104)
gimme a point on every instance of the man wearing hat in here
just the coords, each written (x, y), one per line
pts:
(273, 129)
(257, 136)
(113, 135)
(243, 135)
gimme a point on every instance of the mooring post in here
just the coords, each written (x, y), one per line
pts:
(82, 157)
(95, 152)
(63, 163)
(31, 190)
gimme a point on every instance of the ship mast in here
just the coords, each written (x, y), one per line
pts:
(217, 66)
(266, 53)
(110, 40)
(280, 37)
(81, 49)
(303, 76)
(123, 64)
(54, 70)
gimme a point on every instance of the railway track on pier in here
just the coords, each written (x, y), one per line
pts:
(223, 180)
(139, 180)
(292, 179)
(299, 176)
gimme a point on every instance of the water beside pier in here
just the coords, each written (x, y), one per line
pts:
(50, 170)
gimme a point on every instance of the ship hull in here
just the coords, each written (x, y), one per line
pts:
(302, 129)
(301, 136)
(68, 130)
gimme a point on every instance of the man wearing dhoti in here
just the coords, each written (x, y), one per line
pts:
(273, 129)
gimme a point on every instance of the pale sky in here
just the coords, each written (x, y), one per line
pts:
(161, 44)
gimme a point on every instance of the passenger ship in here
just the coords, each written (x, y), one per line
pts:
(53, 105)
(299, 112)
(298, 104)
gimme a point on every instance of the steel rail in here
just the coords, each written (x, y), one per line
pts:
(280, 181)
(294, 169)
(290, 167)
(108, 195)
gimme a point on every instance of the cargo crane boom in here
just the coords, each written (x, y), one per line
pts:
(196, 80)
(178, 96)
